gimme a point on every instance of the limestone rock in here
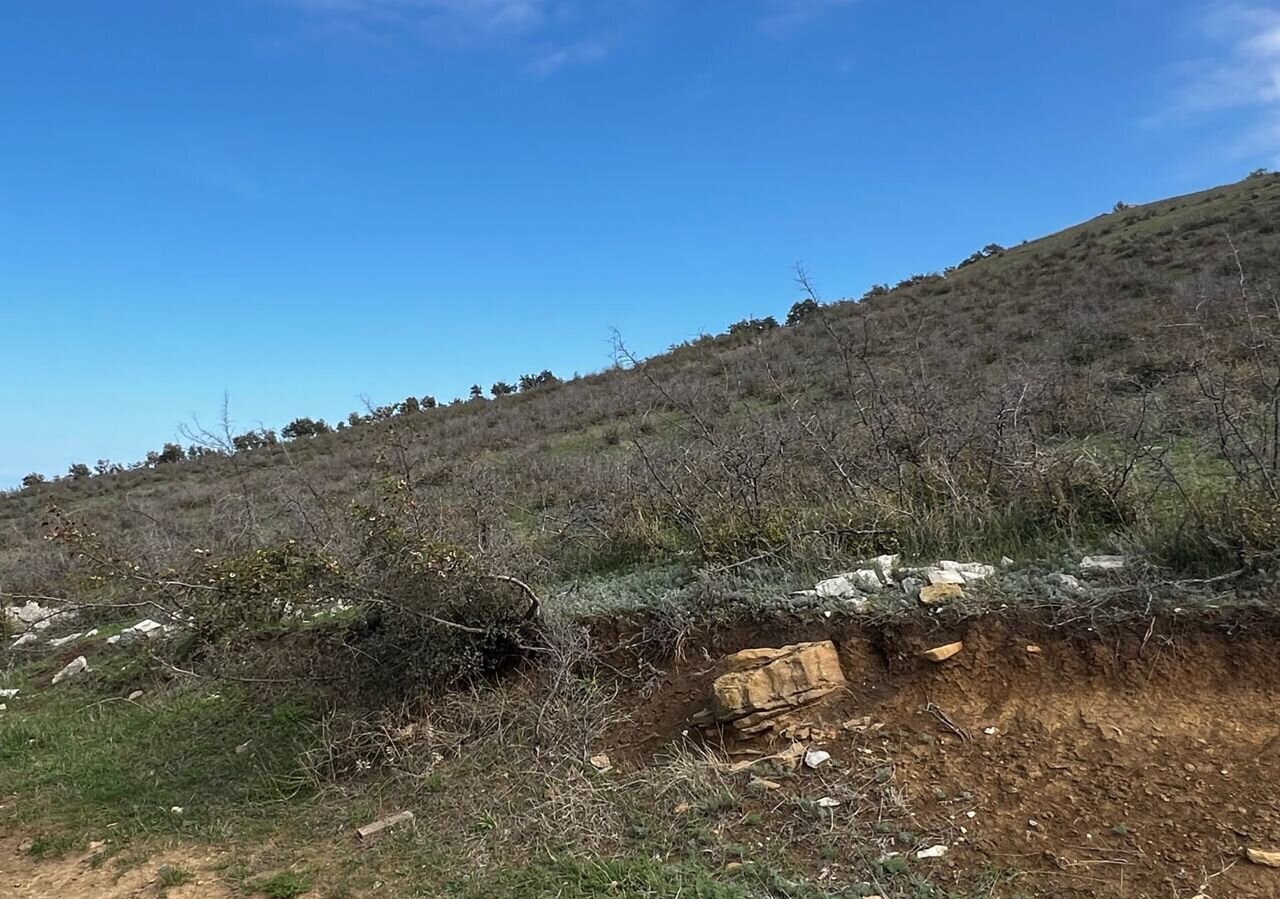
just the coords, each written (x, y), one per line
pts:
(938, 575)
(970, 571)
(944, 652)
(145, 629)
(1264, 857)
(937, 594)
(76, 666)
(759, 684)
(1093, 564)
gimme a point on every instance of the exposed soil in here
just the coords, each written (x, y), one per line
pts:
(1146, 754)
(90, 876)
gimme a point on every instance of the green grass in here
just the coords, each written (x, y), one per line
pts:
(285, 885)
(173, 876)
(82, 763)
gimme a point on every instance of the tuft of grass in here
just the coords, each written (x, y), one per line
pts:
(286, 885)
(174, 876)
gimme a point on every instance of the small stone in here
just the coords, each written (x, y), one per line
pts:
(937, 594)
(943, 576)
(1033, 649)
(828, 802)
(932, 852)
(601, 762)
(944, 652)
(912, 586)
(135, 695)
(178, 810)
(1264, 857)
(78, 665)
(9, 692)
(970, 571)
(24, 640)
(816, 758)
(1067, 582)
(989, 731)
(1102, 563)
(761, 783)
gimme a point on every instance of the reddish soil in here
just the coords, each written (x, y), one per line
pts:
(1147, 754)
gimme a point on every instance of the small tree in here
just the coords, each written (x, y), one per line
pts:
(477, 392)
(1120, 206)
(78, 472)
(304, 427)
(170, 453)
(429, 402)
(502, 388)
(33, 480)
(801, 310)
(410, 406)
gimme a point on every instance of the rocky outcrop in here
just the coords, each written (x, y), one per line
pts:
(757, 687)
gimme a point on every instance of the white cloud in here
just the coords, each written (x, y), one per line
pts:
(437, 21)
(782, 17)
(1242, 76)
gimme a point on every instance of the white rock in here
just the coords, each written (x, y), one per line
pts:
(135, 695)
(1006, 562)
(885, 565)
(938, 575)
(55, 642)
(816, 758)
(143, 630)
(828, 802)
(1067, 582)
(836, 588)
(1102, 563)
(970, 571)
(76, 666)
(24, 640)
(912, 586)
(113, 639)
(932, 852)
(178, 810)
(9, 693)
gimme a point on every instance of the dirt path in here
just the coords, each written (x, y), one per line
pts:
(78, 876)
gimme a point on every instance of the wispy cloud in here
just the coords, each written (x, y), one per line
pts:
(550, 34)
(1242, 74)
(784, 17)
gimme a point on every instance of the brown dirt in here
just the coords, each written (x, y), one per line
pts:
(87, 876)
(1147, 754)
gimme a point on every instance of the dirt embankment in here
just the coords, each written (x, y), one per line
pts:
(1137, 759)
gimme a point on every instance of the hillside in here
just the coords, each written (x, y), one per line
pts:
(961, 590)
(1054, 393)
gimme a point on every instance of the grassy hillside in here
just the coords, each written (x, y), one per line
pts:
(1112, 384)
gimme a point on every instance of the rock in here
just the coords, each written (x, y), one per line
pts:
(25, 639)
(885, 565)
(376, 827)
(944, 652)
(937, 575)
(178, 810)
(1006, 562)
(9, 692)
(145, 629)
(601, 762)
(852, 583)
(912, 586)
(970, 571)
(937, 594)
(76, 666)
(1033, 649)
(1263, 857)
(1067, 582)
(816, 758)
(32, 615)
(113, 639)
(760, 684)
(63, 641)
(135, 695)
(932, 852)
(762, 783)
(828, 802)
(1092, 564)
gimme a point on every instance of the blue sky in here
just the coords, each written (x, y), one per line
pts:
(302, 202)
